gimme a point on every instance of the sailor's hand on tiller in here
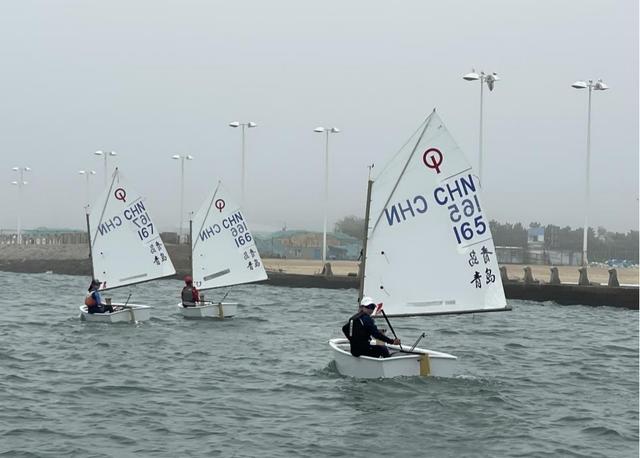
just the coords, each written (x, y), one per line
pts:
(396, 341)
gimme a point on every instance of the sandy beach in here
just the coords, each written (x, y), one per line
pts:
(568, 274)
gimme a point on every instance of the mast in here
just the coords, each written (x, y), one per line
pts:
(90, 250)
(191, 244)
(364, 242)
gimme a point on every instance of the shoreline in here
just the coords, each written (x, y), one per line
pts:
(74, 260)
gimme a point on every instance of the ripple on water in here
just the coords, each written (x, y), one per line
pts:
(263, 384)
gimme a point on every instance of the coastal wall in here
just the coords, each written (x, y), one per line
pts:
(73, 259)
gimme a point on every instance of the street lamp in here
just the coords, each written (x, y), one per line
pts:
(87, 174)
(181, 158)
(327, 131)
(490, 79)
(597, 86)
(20, 183)
(249, 124)
(105, 154)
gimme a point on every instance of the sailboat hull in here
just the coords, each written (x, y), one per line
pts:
(421, 362)
(210, 310)
(130, 313)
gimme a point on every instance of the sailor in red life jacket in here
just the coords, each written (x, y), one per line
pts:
(190, 295)
(359, 330)
(93, 299)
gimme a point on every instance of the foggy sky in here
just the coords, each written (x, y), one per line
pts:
(149, 79)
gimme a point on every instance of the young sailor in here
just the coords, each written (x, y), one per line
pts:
(359, 330)
(93, 300)
(190, 295)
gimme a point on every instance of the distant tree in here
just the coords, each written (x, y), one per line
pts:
(508, 234)
(351, 225)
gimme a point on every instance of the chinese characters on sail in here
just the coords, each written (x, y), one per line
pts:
(488, 277)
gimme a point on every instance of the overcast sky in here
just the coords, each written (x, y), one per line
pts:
(149, 79)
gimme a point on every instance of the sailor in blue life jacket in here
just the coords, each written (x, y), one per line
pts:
(93, 300)
(359, 330)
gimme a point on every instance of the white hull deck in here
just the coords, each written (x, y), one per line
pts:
(219, 310)
(128, 314)
(420, 362)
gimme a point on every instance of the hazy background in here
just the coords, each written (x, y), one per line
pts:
(150, 79)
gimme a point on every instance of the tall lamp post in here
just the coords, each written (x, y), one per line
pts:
(105, 154)
(248, 125)
(87, 174)
(490, 80)
(597, 86)
(20, 183)
(326, 131)
(181, 158)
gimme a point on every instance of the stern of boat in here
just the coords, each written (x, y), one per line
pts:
(210, 310)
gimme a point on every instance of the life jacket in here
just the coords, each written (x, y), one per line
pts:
(353, 328)
(358, 336)
(187, 295)
(89, 300)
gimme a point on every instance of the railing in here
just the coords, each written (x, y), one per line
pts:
(66, 238)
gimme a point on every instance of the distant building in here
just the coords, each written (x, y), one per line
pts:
(535, 236)
(535, 246)
(510, 254)
(300, 244)
(564, 257)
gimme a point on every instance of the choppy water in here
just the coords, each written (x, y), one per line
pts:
(542, 380)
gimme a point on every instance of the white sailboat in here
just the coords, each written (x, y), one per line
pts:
(125, 248)
(223, 253)
(428, 249)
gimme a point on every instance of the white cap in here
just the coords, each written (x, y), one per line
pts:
(366, 301)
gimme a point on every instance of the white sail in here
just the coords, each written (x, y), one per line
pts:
(223, 250)
(126, 247)
(429, 248)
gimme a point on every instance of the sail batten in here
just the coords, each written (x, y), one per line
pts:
(430, 250)
(223, 251)
(134, 283)
(126, 247)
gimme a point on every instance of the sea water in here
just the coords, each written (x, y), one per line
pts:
(543, 380)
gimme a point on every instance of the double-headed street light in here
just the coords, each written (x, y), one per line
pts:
(490, 80)
(597, 86)
(20, 183)
(87, 174)
(326, 131)
(105, 154)
(249, 125)
(181, 158)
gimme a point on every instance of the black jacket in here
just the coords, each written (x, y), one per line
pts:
(359, 330)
